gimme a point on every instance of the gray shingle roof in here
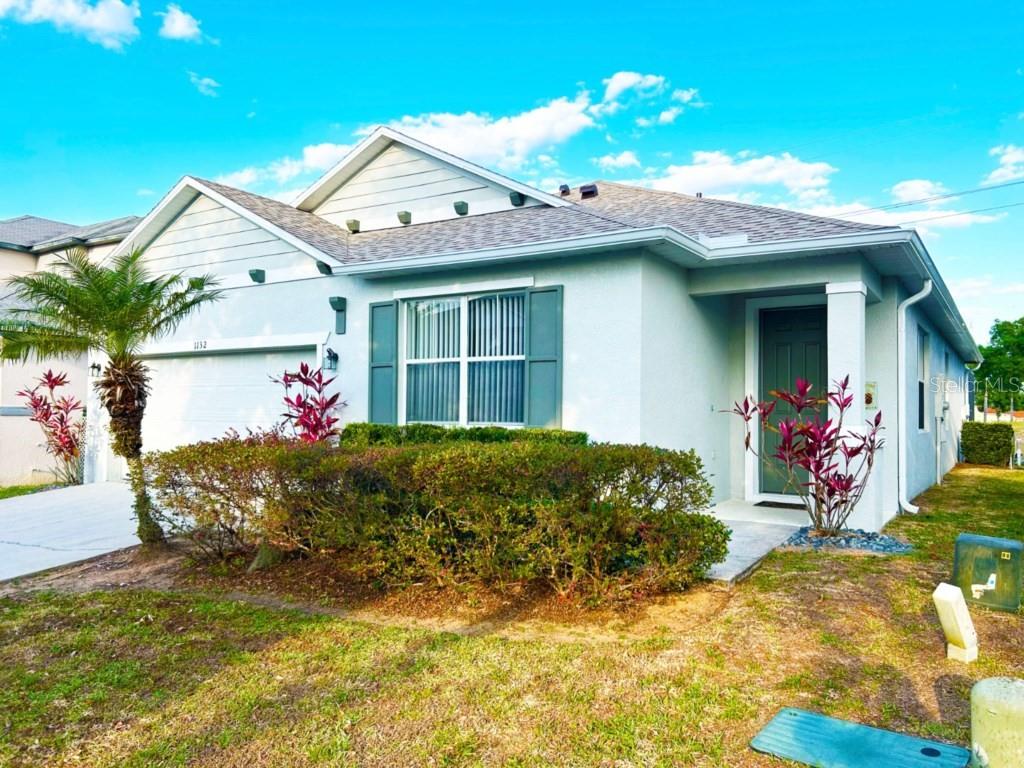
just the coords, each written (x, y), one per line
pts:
(490, 230)
(111, 230)
(693, 216)
(26, 231)
(617, 207)
(40, 235)
(320, 233)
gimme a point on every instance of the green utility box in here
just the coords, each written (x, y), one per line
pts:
(988, 571)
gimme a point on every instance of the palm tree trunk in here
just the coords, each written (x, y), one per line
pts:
(123, 390)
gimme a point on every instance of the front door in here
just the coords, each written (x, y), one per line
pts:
(793, 345)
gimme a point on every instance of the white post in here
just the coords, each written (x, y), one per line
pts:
(847, 356)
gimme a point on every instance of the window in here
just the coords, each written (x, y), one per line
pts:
(465, 359)
(922, 377)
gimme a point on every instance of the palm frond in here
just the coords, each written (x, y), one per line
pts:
(115, 307)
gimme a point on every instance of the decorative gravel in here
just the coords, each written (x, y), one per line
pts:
(853, 540)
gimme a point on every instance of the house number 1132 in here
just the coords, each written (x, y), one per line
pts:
(198, 345)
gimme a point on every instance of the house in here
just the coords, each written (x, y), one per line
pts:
(29, 244)
(445, 292)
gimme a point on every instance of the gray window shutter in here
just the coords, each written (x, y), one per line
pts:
(384, 363)
(544, 357)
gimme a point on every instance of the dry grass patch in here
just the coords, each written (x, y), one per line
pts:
(178, 678)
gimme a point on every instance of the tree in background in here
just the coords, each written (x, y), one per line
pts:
(1001, 375)
(113, 308)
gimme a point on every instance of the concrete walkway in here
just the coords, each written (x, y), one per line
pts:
(50, 528)
(756, 531)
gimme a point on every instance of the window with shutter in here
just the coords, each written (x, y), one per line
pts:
(483, 359)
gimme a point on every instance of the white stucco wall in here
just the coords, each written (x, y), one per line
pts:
(941, 434)
(602, 329)
(685, 359)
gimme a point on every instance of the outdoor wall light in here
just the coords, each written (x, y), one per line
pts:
(324, 268)
(353, 225)
(258, 275)
(330, 360)
(461, 207)
(339, 304)
(405, 217)
(95, 369)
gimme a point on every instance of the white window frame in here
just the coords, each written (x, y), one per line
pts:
(924, 350)
(463, 359)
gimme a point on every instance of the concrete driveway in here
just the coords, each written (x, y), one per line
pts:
(65, 525)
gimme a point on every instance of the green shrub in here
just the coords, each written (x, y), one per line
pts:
(987, 443)
(361, 434)
(592, 521)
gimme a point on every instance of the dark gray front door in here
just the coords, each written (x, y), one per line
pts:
(793, 345)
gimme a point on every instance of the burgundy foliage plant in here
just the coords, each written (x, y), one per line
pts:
(62, 420)
(823, 460)
(310, 412)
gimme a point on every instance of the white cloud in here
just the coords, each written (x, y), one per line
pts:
(924, 220)
(626, 159)
(918, 189)
(1011, 164)
(983, 299)
(315, 158)
(110, 23)
(622, 83)
(720, 172)
(144, 192)
(643, 85)
(687, 96)
(506, 142)
(244, 178)
(665, 117)
(205, 85)
(179, 24)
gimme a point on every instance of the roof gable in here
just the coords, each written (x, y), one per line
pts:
(389, 172)
(310, 234)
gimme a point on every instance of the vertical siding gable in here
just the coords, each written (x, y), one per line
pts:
(404, 179)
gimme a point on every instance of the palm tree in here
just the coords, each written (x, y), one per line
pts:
(113, 308)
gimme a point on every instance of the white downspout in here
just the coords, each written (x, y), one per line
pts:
(901, 375)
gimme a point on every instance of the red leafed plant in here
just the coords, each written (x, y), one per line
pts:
(310, 411)
(825, 462)
(63, 423)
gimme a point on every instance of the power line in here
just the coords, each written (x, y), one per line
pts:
(963, 213)
(930, 199)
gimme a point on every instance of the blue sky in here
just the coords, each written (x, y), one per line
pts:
(824, 107)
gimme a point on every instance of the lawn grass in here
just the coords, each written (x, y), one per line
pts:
(10, 491)
(128, 678)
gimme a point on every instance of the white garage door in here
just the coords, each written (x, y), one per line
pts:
(199, 397)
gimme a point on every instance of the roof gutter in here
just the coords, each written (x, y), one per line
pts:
(904, 404)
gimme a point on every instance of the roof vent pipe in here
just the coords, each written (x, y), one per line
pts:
(700, 195)
(901, 387)
(588, 191)
(564, 190)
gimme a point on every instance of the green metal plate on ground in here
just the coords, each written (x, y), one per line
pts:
(988, 571)
(825, 742)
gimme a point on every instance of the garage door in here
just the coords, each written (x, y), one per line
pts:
(199, 397)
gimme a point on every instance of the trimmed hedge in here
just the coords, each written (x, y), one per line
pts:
(592, 521)
(987, 443)
(363, 434)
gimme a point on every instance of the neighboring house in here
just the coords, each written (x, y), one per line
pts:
(448, 293)
(29, 244)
